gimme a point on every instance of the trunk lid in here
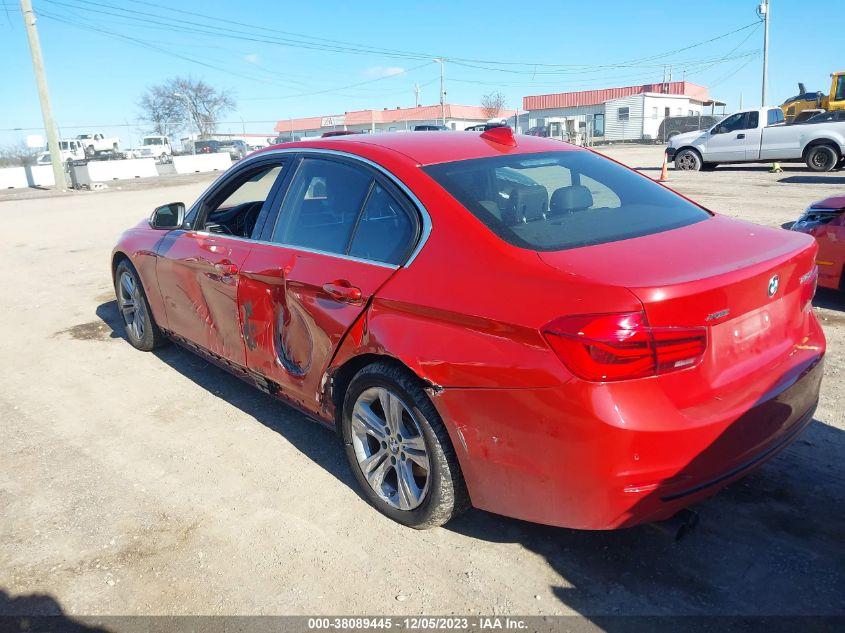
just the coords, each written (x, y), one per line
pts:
(746, 283)
(690, 276)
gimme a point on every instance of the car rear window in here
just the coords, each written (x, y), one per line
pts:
(559, 200)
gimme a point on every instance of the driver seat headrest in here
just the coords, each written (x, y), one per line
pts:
(572, 198)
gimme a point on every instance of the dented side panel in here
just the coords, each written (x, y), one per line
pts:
(198, 278)
(291, 325)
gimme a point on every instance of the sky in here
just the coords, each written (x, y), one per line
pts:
(289, 59)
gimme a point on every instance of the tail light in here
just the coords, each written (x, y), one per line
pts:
(604, 347)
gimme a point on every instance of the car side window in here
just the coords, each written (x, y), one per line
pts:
(775, 116)
(752, 121)
(732, 123)
(235, 209)
(322, 205)
(385, 230)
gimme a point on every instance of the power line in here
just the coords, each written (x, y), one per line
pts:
(355, 85)
(338, 46)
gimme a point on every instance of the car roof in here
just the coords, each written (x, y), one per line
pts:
(429, 148)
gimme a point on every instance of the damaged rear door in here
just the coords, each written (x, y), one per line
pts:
(198, 269)
(342, 231)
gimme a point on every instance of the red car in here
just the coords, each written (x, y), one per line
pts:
(825, 221)
(505, 322)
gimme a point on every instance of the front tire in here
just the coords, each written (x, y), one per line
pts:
(822, 158)
(141, 329)
(688, 160)
(399, 449)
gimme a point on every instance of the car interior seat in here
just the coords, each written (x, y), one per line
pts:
(570, 200)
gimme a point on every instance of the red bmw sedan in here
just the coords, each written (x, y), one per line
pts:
(500, 321)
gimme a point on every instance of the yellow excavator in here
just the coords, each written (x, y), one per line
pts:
(834, 100)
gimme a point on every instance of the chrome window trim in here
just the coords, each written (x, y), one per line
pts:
(425, 228)
(304, 249)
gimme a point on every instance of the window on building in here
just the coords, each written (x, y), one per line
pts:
(598, 125)
(654, 112)
(623, 114)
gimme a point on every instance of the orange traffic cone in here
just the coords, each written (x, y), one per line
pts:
(664, 172)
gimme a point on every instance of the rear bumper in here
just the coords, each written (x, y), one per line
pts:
(585, 460)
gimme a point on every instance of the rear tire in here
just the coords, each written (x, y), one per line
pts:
(139, 325)
(392, 431)
(822, 158)
(688, 160)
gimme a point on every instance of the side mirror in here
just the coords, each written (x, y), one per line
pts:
(168, 216)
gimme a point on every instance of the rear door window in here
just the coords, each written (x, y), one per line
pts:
(775, 116)
(386, 230)
(340, 208)
(560, 200)
(322, 205)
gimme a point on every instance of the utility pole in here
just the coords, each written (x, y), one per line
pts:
(43, 96)
(764, 11)
(440, 60)
(417, 95)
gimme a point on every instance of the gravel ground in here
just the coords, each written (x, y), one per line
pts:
(136, 483)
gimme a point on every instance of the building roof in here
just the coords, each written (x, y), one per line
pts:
(396, 115)
(596, 97)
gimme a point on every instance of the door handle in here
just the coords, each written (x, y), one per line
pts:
(226, 268)
(342, 290)
(740, 135)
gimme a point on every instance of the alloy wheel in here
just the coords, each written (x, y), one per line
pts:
(131, 305)
(687, 161)
(390, 448)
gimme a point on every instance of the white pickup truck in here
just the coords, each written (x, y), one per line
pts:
(94, 142)
(153, 146)
(761, 135)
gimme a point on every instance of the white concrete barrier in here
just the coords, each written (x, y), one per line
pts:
(40, 176)
(105, 170)
(192, 164)
(13, 178)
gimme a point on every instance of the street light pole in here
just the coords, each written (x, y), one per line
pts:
(764, 11)
(440, 60)
(43, 96)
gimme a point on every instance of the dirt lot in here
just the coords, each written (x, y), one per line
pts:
(154, 483)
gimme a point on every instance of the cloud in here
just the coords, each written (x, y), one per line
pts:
(383, 71)
(252, 58)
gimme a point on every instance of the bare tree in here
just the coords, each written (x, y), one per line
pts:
(492, 104)
(204, 104)
(179, 101)
(17, 155)
(163, 113)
